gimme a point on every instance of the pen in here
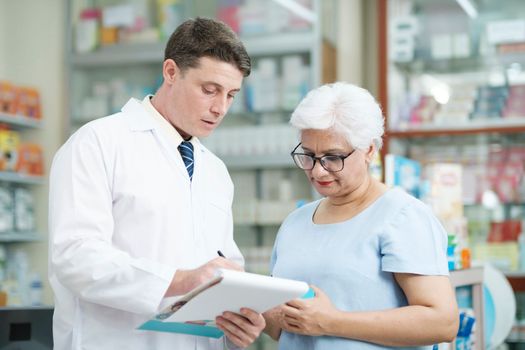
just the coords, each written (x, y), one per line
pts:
(220, 254)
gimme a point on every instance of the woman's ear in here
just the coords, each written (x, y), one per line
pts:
(369, 155)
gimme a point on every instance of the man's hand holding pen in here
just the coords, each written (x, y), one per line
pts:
(185, 280)
(241, 329)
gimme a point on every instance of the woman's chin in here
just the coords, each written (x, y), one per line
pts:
(323, 191)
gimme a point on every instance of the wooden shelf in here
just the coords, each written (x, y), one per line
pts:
(19, 122)
(514, 274)
(516, 280)
(504, 125)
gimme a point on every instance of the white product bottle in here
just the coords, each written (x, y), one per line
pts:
(3, 258)
(521, 247)
(35, 289)
(21, 264)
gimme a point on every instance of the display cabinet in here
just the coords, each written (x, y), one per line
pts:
(453, 92)
(452, 85)
(17, 217)
(12, 179)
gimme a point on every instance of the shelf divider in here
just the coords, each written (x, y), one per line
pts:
(19, 122)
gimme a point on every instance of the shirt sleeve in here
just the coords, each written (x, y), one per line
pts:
(414, 241)
(82, 256)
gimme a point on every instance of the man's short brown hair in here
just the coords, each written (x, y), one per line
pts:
(204, 37)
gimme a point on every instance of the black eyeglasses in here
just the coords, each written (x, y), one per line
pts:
(331, 163)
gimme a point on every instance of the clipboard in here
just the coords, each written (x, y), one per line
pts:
(195, 312)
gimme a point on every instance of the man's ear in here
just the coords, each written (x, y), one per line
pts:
(170, 71)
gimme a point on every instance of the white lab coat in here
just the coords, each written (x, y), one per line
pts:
(123, 216)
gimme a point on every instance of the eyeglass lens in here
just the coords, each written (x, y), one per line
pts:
(330, 163)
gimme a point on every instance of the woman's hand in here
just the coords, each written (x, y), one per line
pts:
(274, 322)
(308, 316)
(241, 329)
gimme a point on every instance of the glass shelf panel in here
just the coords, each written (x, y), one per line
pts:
(446, 67)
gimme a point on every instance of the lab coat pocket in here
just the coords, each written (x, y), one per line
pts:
(217, 223)
(220, 204)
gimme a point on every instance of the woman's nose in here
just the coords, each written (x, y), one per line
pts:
(318, 169)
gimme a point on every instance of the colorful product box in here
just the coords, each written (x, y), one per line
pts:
(9, 142)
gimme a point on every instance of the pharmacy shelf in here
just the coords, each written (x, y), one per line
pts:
(20, 122)
(14, 177)
(516, 279)
(281, 43)
(27, 307)
(514, 274)
(466, 277)
(255, 162)
(153, 53)
(515, 338)
(120, 55)
(13, 237)
(507, 204)
(473, 277)
(457, 65)
(502, 125)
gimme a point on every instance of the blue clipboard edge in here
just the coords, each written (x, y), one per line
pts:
(185, 328)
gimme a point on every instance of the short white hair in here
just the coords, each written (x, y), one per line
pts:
(346, 109)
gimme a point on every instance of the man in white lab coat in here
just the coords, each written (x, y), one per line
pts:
(132, 222)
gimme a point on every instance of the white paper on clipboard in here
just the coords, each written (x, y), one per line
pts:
(230, 291)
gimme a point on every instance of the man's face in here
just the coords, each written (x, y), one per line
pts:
(199, 98)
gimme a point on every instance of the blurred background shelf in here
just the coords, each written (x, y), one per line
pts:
(6, 176)
(19, 122)
(262, 161)
(458, 65)
(503, 125)
(153, 53)
(13, 237)
(23, 308)
(150, 53)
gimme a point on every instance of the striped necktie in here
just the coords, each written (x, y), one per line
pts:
(186, 151)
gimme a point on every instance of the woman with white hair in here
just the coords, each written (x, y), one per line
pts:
(375, 257)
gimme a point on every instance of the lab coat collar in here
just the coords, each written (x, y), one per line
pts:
(139, 118)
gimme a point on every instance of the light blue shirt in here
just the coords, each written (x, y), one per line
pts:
(353, 261)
